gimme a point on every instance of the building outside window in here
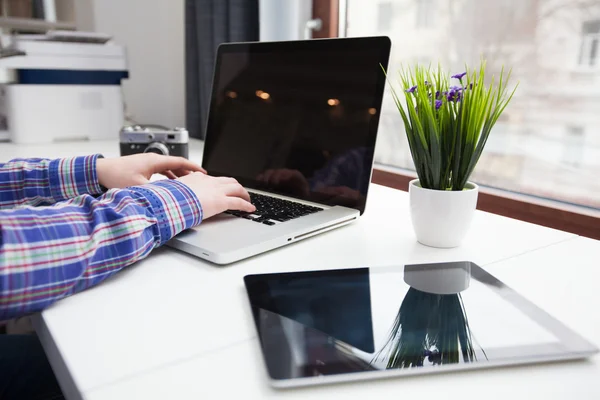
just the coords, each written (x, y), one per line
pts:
(547, 143)
(590, 44)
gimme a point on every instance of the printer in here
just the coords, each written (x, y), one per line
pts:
(61, 86)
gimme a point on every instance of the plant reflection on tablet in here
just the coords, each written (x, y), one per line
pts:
(429, 326)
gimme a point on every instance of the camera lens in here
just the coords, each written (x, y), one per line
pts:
(157, 148)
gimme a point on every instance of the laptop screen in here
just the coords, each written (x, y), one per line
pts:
(298, 118)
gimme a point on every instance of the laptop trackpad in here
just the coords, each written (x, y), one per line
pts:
(224, 231)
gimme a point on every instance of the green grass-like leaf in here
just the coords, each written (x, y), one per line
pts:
(428, 322)
(446, 143)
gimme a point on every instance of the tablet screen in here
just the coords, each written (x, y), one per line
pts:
(356, 323)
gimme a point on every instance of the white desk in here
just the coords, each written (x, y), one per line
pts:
(232, 370)
(173, 326)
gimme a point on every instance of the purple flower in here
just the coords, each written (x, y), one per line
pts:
(438, 104)
(459, 76)
(454, 95)
(455, 88)
(411, 90)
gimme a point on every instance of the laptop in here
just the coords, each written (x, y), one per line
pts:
(295, 123)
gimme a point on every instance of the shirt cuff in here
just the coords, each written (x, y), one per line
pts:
(174, 205)
(72, 177)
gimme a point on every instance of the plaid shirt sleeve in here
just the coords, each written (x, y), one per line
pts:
(48, 253)
(39, 181)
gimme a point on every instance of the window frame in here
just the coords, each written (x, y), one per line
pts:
(523, 207)
(424, 19)
(588, 41)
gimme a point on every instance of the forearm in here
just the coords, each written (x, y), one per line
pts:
(52, 252)
(43, 182)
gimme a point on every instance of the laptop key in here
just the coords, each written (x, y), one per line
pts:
(274, 209)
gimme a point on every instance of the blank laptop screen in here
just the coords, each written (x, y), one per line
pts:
(298, 118)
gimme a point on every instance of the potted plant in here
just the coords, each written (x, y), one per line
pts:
(431, 326)
(447, 126)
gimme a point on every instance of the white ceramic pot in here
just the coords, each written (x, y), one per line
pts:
(441, 218)
(429, 279)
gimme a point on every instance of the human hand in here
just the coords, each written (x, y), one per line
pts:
(217, 195)
(138, 168)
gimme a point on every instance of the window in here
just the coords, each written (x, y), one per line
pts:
(384, 16)
(590, 44)
(424, 12)
(547, 144)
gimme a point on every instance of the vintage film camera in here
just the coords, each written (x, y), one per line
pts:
(154, 139)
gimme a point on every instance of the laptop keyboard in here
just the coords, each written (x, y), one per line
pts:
(271, 210)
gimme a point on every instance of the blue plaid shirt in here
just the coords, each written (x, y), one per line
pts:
(61, 234)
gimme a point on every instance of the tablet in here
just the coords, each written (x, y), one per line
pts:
(317, 327)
